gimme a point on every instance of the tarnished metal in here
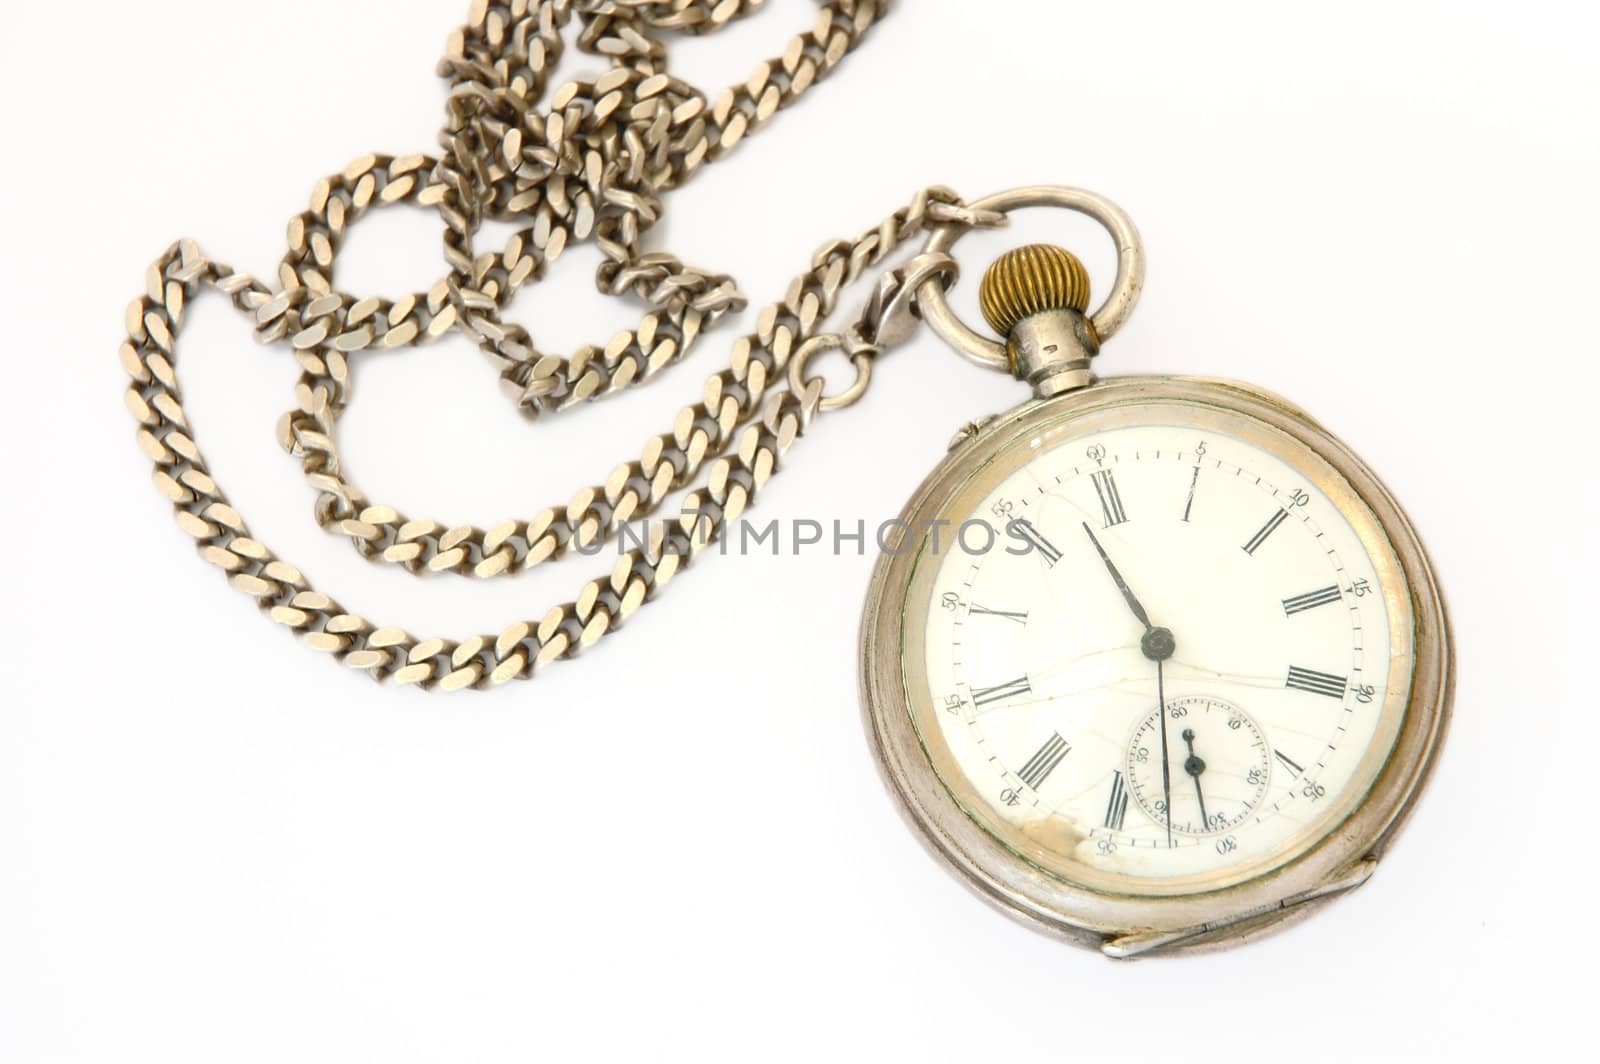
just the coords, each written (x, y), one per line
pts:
(1030, 280)
(888, 318)
(1035, 296)
(591, 165)
(1051, 351)
(1111, 316)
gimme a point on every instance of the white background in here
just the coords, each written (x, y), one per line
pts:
(215, 846)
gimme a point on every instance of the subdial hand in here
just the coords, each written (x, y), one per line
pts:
(1195, 766)
(1158, 645)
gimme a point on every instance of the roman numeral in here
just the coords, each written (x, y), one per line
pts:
(1044, 762)
(1311, 600)
(1010, 689)
(1288, 762)
(1105, 486)
(1117, 807)
(1317, 683)
(1021, 527)
(1194, 482)
(1020, 618)
(1266, 530)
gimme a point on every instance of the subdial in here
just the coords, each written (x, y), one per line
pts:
(1218, 766)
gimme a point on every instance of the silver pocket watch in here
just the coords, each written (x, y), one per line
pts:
(1194, 677)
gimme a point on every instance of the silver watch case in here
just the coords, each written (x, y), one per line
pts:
(1125, 925)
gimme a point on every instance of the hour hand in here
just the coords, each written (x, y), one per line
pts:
(1157, 644)
(1122, 585)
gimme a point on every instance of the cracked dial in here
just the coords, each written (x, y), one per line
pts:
(1162, 560)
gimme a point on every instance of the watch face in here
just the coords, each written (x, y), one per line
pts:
(1158, 649)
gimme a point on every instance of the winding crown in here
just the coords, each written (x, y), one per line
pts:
(1030, 280)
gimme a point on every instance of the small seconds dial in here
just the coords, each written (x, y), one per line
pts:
(1157, 651)
(1217, 771)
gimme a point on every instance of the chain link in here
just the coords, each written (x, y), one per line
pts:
(590, 167)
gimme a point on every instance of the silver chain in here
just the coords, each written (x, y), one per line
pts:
(590, 166)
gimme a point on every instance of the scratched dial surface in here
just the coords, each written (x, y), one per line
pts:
(1075, 738)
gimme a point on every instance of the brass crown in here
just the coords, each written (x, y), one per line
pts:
(1029, 280)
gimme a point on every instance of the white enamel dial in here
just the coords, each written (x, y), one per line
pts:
(1143, 621)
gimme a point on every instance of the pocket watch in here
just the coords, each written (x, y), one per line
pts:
(1153, 662)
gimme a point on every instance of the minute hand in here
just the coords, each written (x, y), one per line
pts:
(1157, 645)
